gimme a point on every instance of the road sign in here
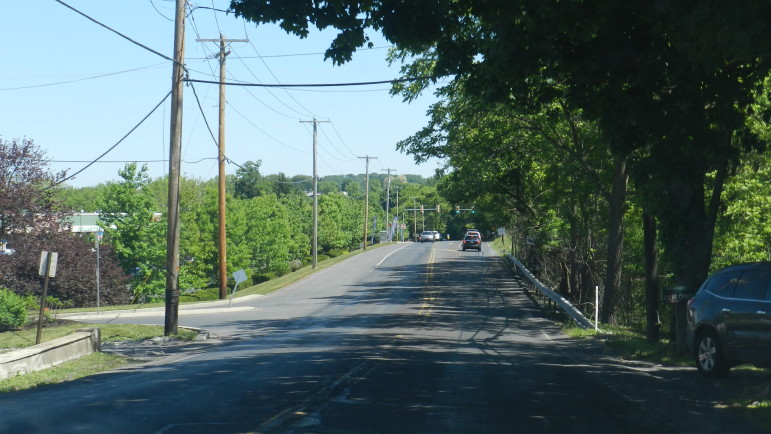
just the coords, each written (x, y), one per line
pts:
(239, 276)
(52, 269)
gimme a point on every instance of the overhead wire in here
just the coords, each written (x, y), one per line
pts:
(93, 77)
(360, 83)
(274, 75)
(265, 132)
(269, 92)
(159, 12)
(201, 160)
(345, 157)
(116, 144)
(119, 33)
(332, 124)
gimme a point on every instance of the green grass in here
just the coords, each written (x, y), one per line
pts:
(628, 343)
(109, 332)
(280, 282)
(67, 371)
(84, 366)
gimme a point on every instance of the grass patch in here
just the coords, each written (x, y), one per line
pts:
(83, 366)
(67, 371)
(110, 333)
(265, 288)
(628, 343)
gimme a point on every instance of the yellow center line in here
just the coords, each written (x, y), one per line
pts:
(430, 294)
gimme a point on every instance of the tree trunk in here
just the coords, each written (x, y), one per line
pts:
(652, 323)
(690, 231)
(616, 210)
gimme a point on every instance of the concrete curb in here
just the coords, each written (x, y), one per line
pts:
(48, 354)
(219, 306)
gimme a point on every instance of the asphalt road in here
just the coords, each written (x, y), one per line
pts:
(404, 338)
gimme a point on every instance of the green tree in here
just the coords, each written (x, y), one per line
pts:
(249, 182)
(666, 83)
(198, 236)
(135, 232)
(300, 217)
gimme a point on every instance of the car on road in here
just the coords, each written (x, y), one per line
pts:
(473, 232)
(472, 242)
(729, 319)
(427, 236)
(437, 236)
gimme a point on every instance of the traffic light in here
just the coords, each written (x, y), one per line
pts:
(472, 210)
(421, 209)
(437, 208)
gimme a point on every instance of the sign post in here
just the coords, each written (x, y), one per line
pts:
(47, 269)
(239, 276)
(97, 239)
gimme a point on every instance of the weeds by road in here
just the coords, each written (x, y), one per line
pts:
(84, 366)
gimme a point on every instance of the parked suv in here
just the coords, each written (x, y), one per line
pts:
(729, 319)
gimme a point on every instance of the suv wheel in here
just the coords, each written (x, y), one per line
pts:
(708, 355)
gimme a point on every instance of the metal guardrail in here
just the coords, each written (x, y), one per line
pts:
(558, 300)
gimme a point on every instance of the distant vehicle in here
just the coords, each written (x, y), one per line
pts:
(7, 252)
(473, 232)
(437, 236)
(472, 242)
(728, 319)
(427, 236)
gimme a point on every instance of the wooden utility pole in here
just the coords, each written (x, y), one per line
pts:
(223, 264)
(175, 153)
(315, 196)
(366, 199)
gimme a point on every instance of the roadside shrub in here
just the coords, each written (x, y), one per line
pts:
(13, 310)
(263, 277)
(334, 253)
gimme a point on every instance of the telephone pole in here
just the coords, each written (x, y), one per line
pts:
(175, 151)
(366, 198)
(223, 267)
(388, 203)
(315, 196)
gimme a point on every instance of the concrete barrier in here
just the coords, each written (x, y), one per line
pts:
(47, 354)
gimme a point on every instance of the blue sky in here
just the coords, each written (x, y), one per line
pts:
(76, 89)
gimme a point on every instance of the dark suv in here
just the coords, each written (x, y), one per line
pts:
(729, 319)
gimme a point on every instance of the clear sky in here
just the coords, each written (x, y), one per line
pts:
(76, 89)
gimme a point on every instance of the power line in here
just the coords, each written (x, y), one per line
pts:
(362, 83)
(271, 93)
(107, 74)
(341, 138)
(116, 144)
(118, 33)
(274, 75)
(319, 53)
(264, 132)
(132, 161)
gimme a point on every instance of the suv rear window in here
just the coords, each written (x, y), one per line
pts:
(752, 285)
(723, 284)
